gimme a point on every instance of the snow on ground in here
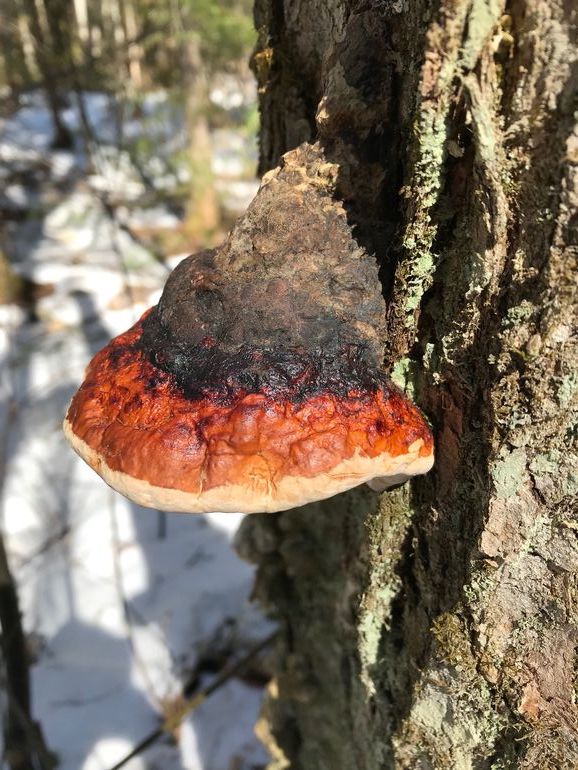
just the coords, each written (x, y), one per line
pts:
(119, 602)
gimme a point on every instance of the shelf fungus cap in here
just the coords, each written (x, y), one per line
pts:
(255, 384)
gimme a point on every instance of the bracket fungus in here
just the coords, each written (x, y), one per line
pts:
(255, 384)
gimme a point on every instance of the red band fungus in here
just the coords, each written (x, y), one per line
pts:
(255, 383)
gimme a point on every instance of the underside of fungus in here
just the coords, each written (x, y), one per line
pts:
(256, 383)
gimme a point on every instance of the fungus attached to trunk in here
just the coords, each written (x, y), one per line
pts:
(256, 383)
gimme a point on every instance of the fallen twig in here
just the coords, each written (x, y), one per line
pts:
(191, 704)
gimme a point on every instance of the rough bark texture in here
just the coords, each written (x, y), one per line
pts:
(436, 627)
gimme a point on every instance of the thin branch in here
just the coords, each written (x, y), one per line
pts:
(192, 704)
(49, 542)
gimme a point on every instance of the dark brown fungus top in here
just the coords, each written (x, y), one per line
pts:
(255, 383)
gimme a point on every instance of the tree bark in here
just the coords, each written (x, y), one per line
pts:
(436, 626)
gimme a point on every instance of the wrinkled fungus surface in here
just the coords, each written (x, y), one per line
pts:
(143, 423)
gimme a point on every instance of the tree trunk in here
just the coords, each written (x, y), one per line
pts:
(15, 69)
(436, 626)
(84, 28)
(203, 209)
(42, 49)
(24, 747)
(135, 52)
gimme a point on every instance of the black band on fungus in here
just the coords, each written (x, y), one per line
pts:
(248, 331)
(288, 373)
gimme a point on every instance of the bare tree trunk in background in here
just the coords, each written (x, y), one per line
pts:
(13, 46)
(436, 626)
(84, 27)
(135, 52)
(203, 214)
(60, 22)
(27, 43)
(114, 32)
(24, 747)
(15, 660)
(46, 66)
(17, 721)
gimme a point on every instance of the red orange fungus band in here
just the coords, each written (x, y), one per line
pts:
(172, 441)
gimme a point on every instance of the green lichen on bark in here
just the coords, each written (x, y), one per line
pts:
(386, 531)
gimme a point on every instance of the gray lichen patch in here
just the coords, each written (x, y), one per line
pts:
(508, 473)
(387, 530)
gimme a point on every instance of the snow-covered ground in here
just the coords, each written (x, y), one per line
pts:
(119, 602)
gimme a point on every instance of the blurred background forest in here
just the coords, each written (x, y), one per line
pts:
(178, 70)
(127, 141)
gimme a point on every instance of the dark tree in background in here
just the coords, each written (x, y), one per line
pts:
(435, 626)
